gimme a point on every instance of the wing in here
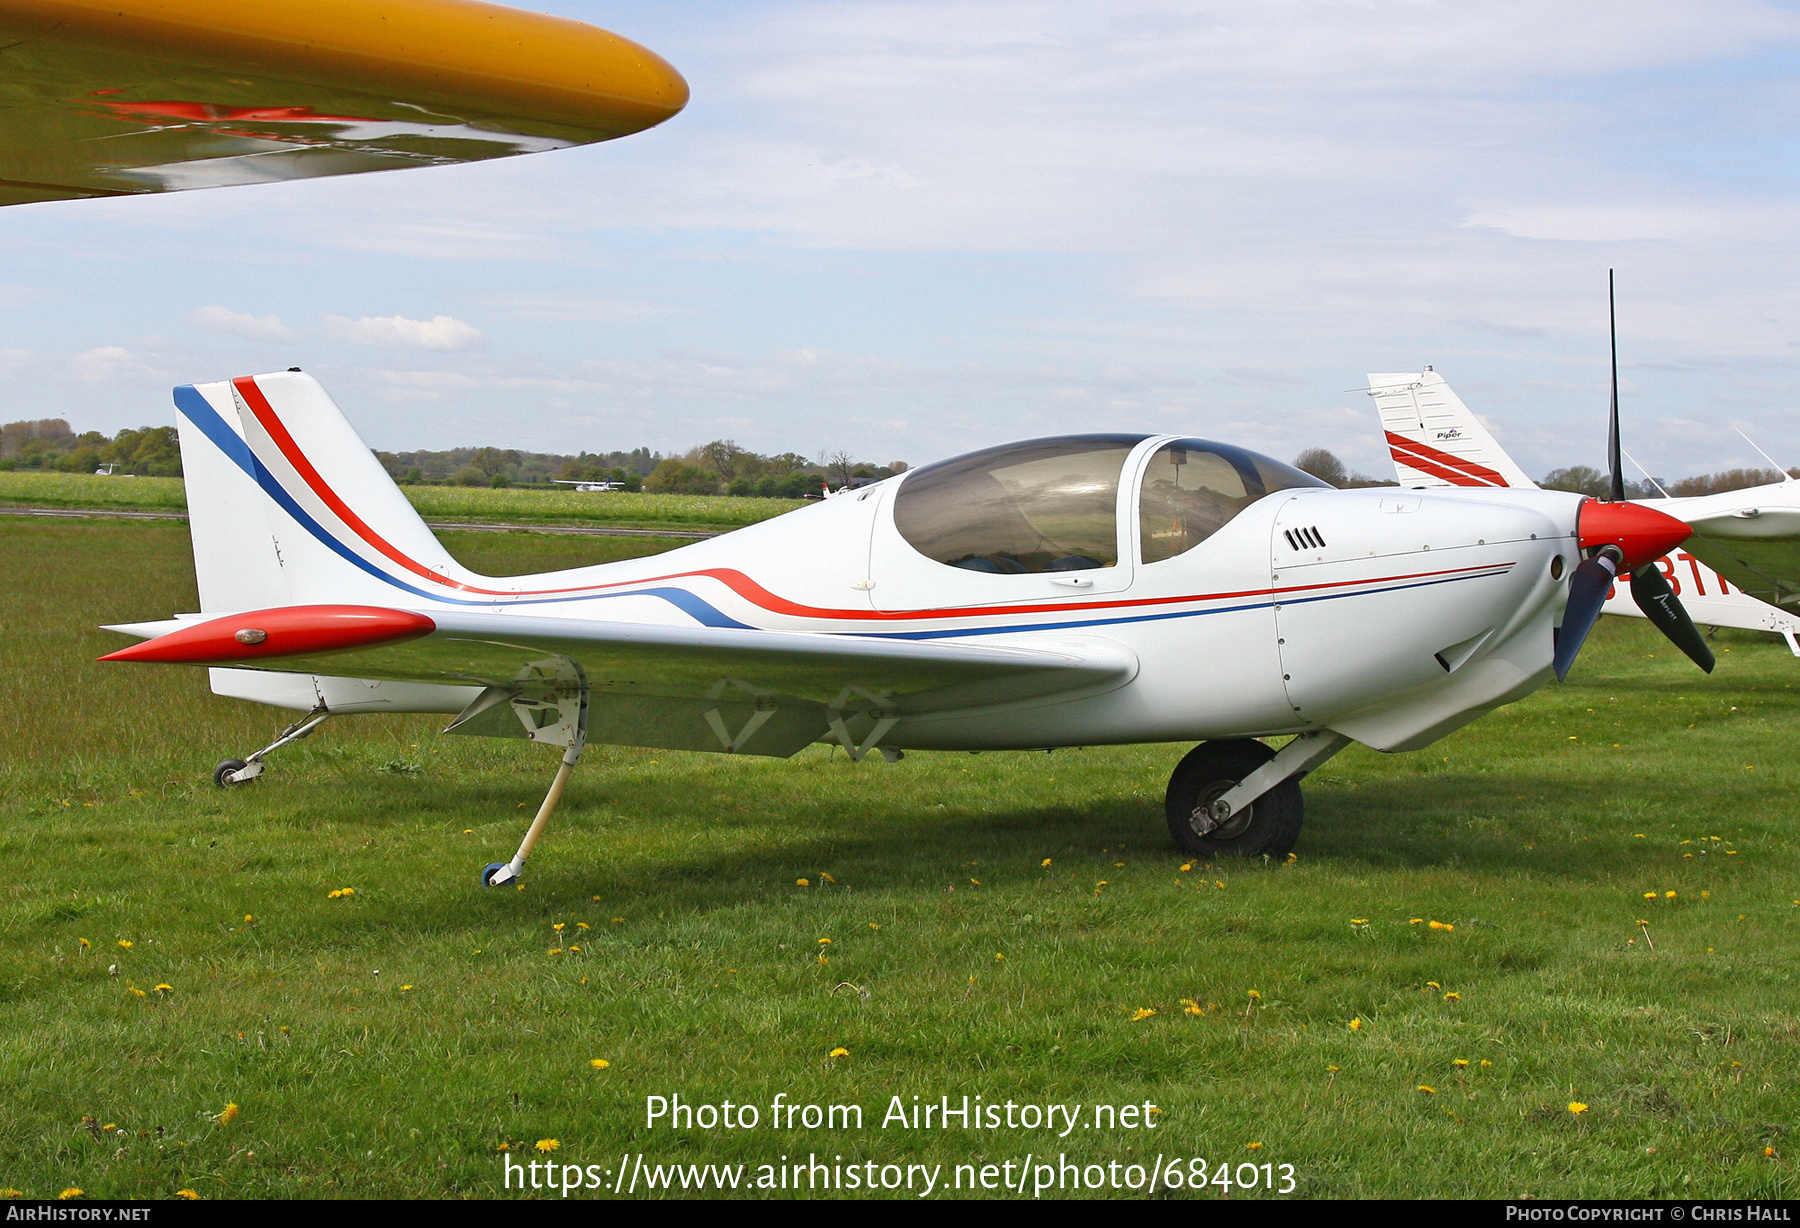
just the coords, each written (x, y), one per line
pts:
(649, 685)
(116, 97)
(1756, 548)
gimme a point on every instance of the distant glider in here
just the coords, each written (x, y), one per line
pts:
(118, 97)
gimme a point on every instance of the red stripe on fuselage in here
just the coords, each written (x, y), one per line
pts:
(733, 579)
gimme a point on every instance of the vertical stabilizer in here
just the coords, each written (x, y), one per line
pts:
(235, 558)
(1433, 437)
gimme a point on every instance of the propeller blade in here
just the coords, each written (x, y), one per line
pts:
(1587, 593)
(1650, 589)
(1612, 432)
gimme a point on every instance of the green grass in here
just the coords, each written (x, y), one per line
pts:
(511, 506)
(1536, 833)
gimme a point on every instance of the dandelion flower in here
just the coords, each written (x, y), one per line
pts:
(1429, 1091)
(976, 881)
(1359, 920)
(72, 1192)
(1669, 895)
(248, 918)
(165, 987)
(349, 891)
(1219, 885)
(555, 951)
(1577, 1108)
(582, 925)
(468, 831)
(140, 993)
(406, 989)
(999, 957)
(1460, 1062)
(574, 950)
(1439, 925)
(1142, 1012)
(1184, 869)
(801, 882)
(558, 927)
(547, 1145)
(1453, 996)
(1415, 921)
(1769, 1152)
(228, 1114)
(125, 944)
(1046, 864)
(826, 878)
(1485, 1062)
(1190, 1007)
(1255, 996)
(839, 1052)
(1252, 1146)
(1331, 1070)
(190, 1195)
(1432, 985)
(599, 1063)
(873, 926)
(85, 944)
(1356, 1025)
(1706, 895)
(1649, 895)
(615, 920)
(824, 942)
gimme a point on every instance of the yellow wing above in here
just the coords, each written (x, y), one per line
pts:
(116, 97)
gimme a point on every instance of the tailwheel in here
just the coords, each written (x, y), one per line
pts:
(1269, 826)
(493, 868)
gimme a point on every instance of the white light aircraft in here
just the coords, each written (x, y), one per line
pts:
(1436, 441)
(1081, 590)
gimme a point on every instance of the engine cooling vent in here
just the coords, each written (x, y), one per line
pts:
(1304, 539)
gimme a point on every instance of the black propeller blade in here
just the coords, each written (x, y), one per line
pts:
(1591, 580)
(1650, 589)
(1587, 593)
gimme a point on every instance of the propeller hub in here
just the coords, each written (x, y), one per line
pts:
(1641, 533)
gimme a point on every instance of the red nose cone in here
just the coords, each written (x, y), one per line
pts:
(294, 631)
(1643, 533)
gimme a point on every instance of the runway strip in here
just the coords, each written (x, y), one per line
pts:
(84, 513)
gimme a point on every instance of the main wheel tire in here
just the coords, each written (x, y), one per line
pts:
(1269, 826)
(222, 773)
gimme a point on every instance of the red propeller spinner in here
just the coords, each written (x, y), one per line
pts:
(1641, 533)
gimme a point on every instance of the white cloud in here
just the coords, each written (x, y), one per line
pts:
(241, 324)
(400, 333)
(111, 362)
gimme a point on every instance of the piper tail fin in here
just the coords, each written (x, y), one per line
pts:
(1434, 439)
(287, 504)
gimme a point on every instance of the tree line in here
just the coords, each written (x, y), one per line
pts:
(50, 444)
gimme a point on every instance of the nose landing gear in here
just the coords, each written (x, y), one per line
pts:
(1239, 797)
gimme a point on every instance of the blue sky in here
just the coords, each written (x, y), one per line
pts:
(910, 229)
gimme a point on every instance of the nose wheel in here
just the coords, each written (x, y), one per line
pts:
(1268, 826)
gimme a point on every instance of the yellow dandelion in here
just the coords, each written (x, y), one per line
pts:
(468, 831)
(1103, 883)
(1432, 985)
(1769, 1152)
(558, 927)
(125, 944)
(85, 944)
(801, 882)
(826, 878)
(1669, 895)
(1255, 996)
(1046, 864)
(1439, 925)
(555, 951)
(1190, 1007)
(1219, 885)
(1460, 1062)
(1649, 895)
(824, 942)
(1706, 895)
(1184, 869)
(573, 950)
(1252, 1146)
(1577, 1108)
(228, 1114)
(547, 1145)
(190, 1195)
(332, 895)
(599, 1063)
(1485, 1062)
(1453, 996)
(349, 891)
(976, 881)
(1415, 920)
(824, 958)
(1359, 920)
(1356, 1025)
(406, 989)
(12, 1193)
(582, 925)
(1142, 1012)
(1637, 835)
(1429, 1091)
(72, 1192)
(999, 957)
(1331, 1070)
(615, 920)
(140, 993)
(839, 1052)
(165, 987)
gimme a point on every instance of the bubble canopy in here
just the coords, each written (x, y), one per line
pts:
(1049, 505)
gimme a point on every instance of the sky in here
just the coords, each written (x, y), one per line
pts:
(906, 230)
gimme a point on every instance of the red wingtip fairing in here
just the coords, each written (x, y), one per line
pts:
(293, 631)
(1642, 533)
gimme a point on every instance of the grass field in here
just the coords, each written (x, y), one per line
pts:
(440, 503)
(999, 926)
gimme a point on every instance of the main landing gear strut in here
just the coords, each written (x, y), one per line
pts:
(573, 734)
(1239, 797)
(234, 772)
